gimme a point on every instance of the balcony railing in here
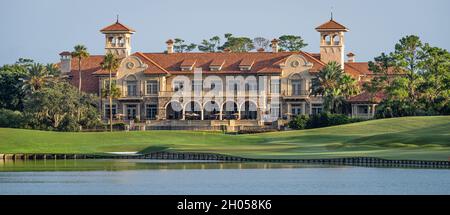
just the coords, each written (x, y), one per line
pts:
(301, 93)
(206, 93)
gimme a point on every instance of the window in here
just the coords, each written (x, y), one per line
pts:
(121, 41)
(275, 86)
(275, 110)
(363, 109)
(296, 109)
(152, 87)
(114, 110)
(316, 109)
(131, 111)
(151, 111)
(296, 87)
(132, 88)
(178, 85)
(336, 39)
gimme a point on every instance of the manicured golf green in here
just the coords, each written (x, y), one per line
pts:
(421, 138)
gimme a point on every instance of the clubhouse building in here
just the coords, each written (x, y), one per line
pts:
(235, 90)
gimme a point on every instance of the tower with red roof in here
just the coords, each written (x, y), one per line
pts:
(118, 39)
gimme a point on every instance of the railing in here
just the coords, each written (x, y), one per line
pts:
(206, 93)
(301, 93)
(133, 95)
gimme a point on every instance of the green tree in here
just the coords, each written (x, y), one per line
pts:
(111, 64)
(80, 52)
(407, 56)
(334, 86)
(210, 45)
(382, 69)
(36, 78)
(414, 77)
(237, 44)
(435, 88)
(180, 46)
(291, 43)
(11, 82)
(56, 106)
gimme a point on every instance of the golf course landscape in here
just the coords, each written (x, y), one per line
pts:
(415, 138)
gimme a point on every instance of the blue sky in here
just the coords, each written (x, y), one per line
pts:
(42, 29)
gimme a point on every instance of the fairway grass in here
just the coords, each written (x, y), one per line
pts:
(415, 138)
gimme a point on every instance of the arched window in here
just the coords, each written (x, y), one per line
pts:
(174, 110)
(327, 39)
(121, 41)
(336, 40)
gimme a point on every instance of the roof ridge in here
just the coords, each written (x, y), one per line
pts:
(117, 24)
(153, 62)
(315, 59)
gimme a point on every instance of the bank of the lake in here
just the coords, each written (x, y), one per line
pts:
(187, 178)
(408, 138)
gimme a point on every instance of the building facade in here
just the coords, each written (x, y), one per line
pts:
(215, 89)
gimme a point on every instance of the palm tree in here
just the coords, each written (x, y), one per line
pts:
(80, 52)
(110, 63)
(349, 86)
(329, 86)
(37, 77)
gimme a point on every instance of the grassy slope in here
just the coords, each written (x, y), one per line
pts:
(402, 138)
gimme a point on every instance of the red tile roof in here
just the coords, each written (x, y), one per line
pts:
(263, 62)
(357, 69)
(89, 66)
(117, 27)
(65, 53)
(331, 25)
(217, 62)
(247, 62)
(366, 97)
(188, 63)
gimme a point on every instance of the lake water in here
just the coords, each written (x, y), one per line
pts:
(175, 177)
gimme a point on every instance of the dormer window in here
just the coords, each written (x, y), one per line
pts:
(216, 65)
(246, 64)
(188, 65)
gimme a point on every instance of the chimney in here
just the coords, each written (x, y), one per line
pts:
(350, 57)
(260, 50)
(66, 59)
(274, 45)
(226, 50)
(169, 46)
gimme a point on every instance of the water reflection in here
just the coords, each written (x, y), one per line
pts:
(128, 164)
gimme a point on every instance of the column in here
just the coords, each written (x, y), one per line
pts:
(303, 108)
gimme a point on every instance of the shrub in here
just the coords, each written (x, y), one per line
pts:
(321, 120)
(11, 119)
(299, 122)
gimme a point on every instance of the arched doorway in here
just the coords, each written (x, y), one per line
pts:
(230, 110)
(211, 111)
(249, 110)
(174, 110)
(193, 111)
